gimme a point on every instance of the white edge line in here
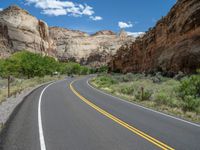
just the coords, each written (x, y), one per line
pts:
(194, 124)
(41, 135)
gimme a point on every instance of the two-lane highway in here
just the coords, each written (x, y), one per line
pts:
(71, 115)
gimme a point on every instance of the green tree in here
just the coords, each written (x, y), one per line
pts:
(72, 68)
(31, 65)
(84, 70)
(103, 69)
(9, 67)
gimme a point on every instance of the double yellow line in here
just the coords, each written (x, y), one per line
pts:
(122, 123)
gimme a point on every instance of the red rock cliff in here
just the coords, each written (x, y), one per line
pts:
(172, 45)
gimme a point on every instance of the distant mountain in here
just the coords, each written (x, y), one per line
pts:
(19, 30)
(171, 46)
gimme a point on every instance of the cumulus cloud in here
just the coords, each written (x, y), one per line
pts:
(135, 34)
(87, 10)
(1, 9)
(96, 18)
(124, 25)
(54, 12)
(58, 7)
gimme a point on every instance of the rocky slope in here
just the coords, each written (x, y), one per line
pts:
(21, 31)
(95, 50)
(172, 45)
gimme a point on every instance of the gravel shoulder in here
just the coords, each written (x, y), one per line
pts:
(8, 106)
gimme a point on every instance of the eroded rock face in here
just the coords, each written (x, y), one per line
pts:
(93, 50)
(21, 31)
(172, 45)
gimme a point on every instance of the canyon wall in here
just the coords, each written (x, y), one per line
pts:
(19, 30)
(96, 49)
(171, 46)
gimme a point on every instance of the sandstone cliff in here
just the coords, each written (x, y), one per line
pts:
(172, 45)
(94, 50)
(19, 30)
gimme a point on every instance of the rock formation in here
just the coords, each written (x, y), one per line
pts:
(95, 50)
(21, 31)
(172, 45)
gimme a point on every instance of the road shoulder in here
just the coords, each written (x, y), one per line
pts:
(8, 107)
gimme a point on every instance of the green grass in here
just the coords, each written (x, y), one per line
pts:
(156, 92)
(19, 85)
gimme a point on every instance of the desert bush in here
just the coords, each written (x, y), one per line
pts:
(143, 94)
(189, 91)
(191, 103)
(179, 76)
(103, 69)
(162, 98)
(190, 86)
(128, 77)
(157, 78)
(105, 81)
(128, 90)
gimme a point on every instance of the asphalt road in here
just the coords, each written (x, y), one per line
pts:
(71, 115)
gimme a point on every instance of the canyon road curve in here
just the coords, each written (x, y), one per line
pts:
(72, 115)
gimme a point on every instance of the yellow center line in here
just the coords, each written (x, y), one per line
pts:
(122, 123)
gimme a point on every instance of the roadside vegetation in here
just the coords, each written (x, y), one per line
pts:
(24, 69)
(178, 96)
(28, 65)
(18, 85)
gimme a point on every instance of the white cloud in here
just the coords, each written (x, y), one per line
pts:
(1, 9)
(124, 25)
(51, 4)
(74, 11)
(88, 11)
(58, 7)
(135, 34)
(54, 12)
(96, 18)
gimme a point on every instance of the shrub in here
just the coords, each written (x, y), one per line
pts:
(72, 68)
(105, 81)
(189, 91)
(179, 76)
(128, 77)
(84, 70)
(191, 103)
(103, 69)
(190, 86)
(143, 94)
(128, 90)
(163, 98)
(157, 78)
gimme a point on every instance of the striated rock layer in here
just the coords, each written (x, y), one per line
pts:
(95, 49)
(21, 31)
(172, 45)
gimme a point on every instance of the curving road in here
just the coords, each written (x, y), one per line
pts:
(72, 115)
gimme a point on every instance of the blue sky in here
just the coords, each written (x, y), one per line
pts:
(94, 15)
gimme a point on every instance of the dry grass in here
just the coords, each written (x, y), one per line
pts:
(19, 85)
